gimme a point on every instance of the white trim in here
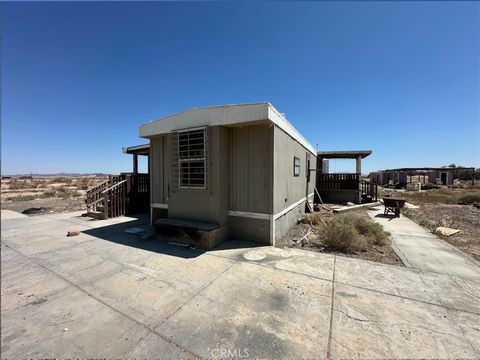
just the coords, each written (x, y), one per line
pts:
(223, 116)
(136, 147)
(249, 215)
(190, 129)
(272, 230)
(310, 195)
(281, 121)
(291, 207)
(159, 206)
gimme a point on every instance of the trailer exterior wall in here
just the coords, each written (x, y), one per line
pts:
(251, 168)
(251, 174)
(290, 189)
(160, 169)
(210, 204)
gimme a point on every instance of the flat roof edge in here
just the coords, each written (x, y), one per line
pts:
(223, 115)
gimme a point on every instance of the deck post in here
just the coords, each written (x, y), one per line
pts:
(359, 165)
(135, 164)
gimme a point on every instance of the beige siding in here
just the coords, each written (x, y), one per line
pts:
(249, 229)
(211, 204)
(288, 188)
(160, 169)
(251, 168)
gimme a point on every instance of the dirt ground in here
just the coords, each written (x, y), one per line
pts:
(295, 238)
(51, 195)
(466, 218)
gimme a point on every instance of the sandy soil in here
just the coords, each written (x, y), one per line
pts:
(292, 239)
(466, 218)
(54, 195)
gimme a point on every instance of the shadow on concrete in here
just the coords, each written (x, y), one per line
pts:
(389, 217)
(116, 233)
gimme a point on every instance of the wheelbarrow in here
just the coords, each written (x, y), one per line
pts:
(393, 205)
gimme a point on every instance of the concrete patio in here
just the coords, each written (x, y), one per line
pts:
(108, 294)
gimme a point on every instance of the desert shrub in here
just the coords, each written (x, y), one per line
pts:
(341, 235)
(21, 198)
(49, 193)
(373, 231)
(350, 233)
(312, 218)
(83, 183)
(41, 184)
(65, 194)
(16, 184)
(468, 199)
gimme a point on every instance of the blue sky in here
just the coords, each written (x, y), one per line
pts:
(401, 79)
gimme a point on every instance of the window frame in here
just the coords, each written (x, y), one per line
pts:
(189, 160)
(296, 166)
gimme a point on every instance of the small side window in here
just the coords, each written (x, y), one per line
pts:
(296, 166)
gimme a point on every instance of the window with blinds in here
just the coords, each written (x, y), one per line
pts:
(191, 159)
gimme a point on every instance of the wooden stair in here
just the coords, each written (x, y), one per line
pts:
(108, 199)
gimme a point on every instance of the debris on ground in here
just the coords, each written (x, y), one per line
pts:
(446, 231)
(73, 233)
(34, 210)
(179, 244)
(464, 217)
(410, 206)
(142, 232)
(135, 231)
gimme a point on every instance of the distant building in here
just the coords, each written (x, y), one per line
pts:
(401, 176)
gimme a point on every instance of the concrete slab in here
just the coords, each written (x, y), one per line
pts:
(149, 295)
(9, 214)
(420, 249)
(455, 292)
(44, 316)
(369, 324)
(108, 294)
(266, 314)
(293, 260)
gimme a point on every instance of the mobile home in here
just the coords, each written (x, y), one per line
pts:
(228, 172)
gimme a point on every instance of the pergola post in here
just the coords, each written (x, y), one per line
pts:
(135, 164)
(359, 165)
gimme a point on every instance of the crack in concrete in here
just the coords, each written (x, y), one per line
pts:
(330, 328)
(194, 295)
(170, 341)
(417, 271)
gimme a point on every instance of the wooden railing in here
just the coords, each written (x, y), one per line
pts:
(114, 200)
(119, 195)
(369, 189)
(94, 196)
(326, 182)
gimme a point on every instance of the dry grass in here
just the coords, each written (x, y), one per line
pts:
(313, 218)
(21, 198)
(451, 196)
